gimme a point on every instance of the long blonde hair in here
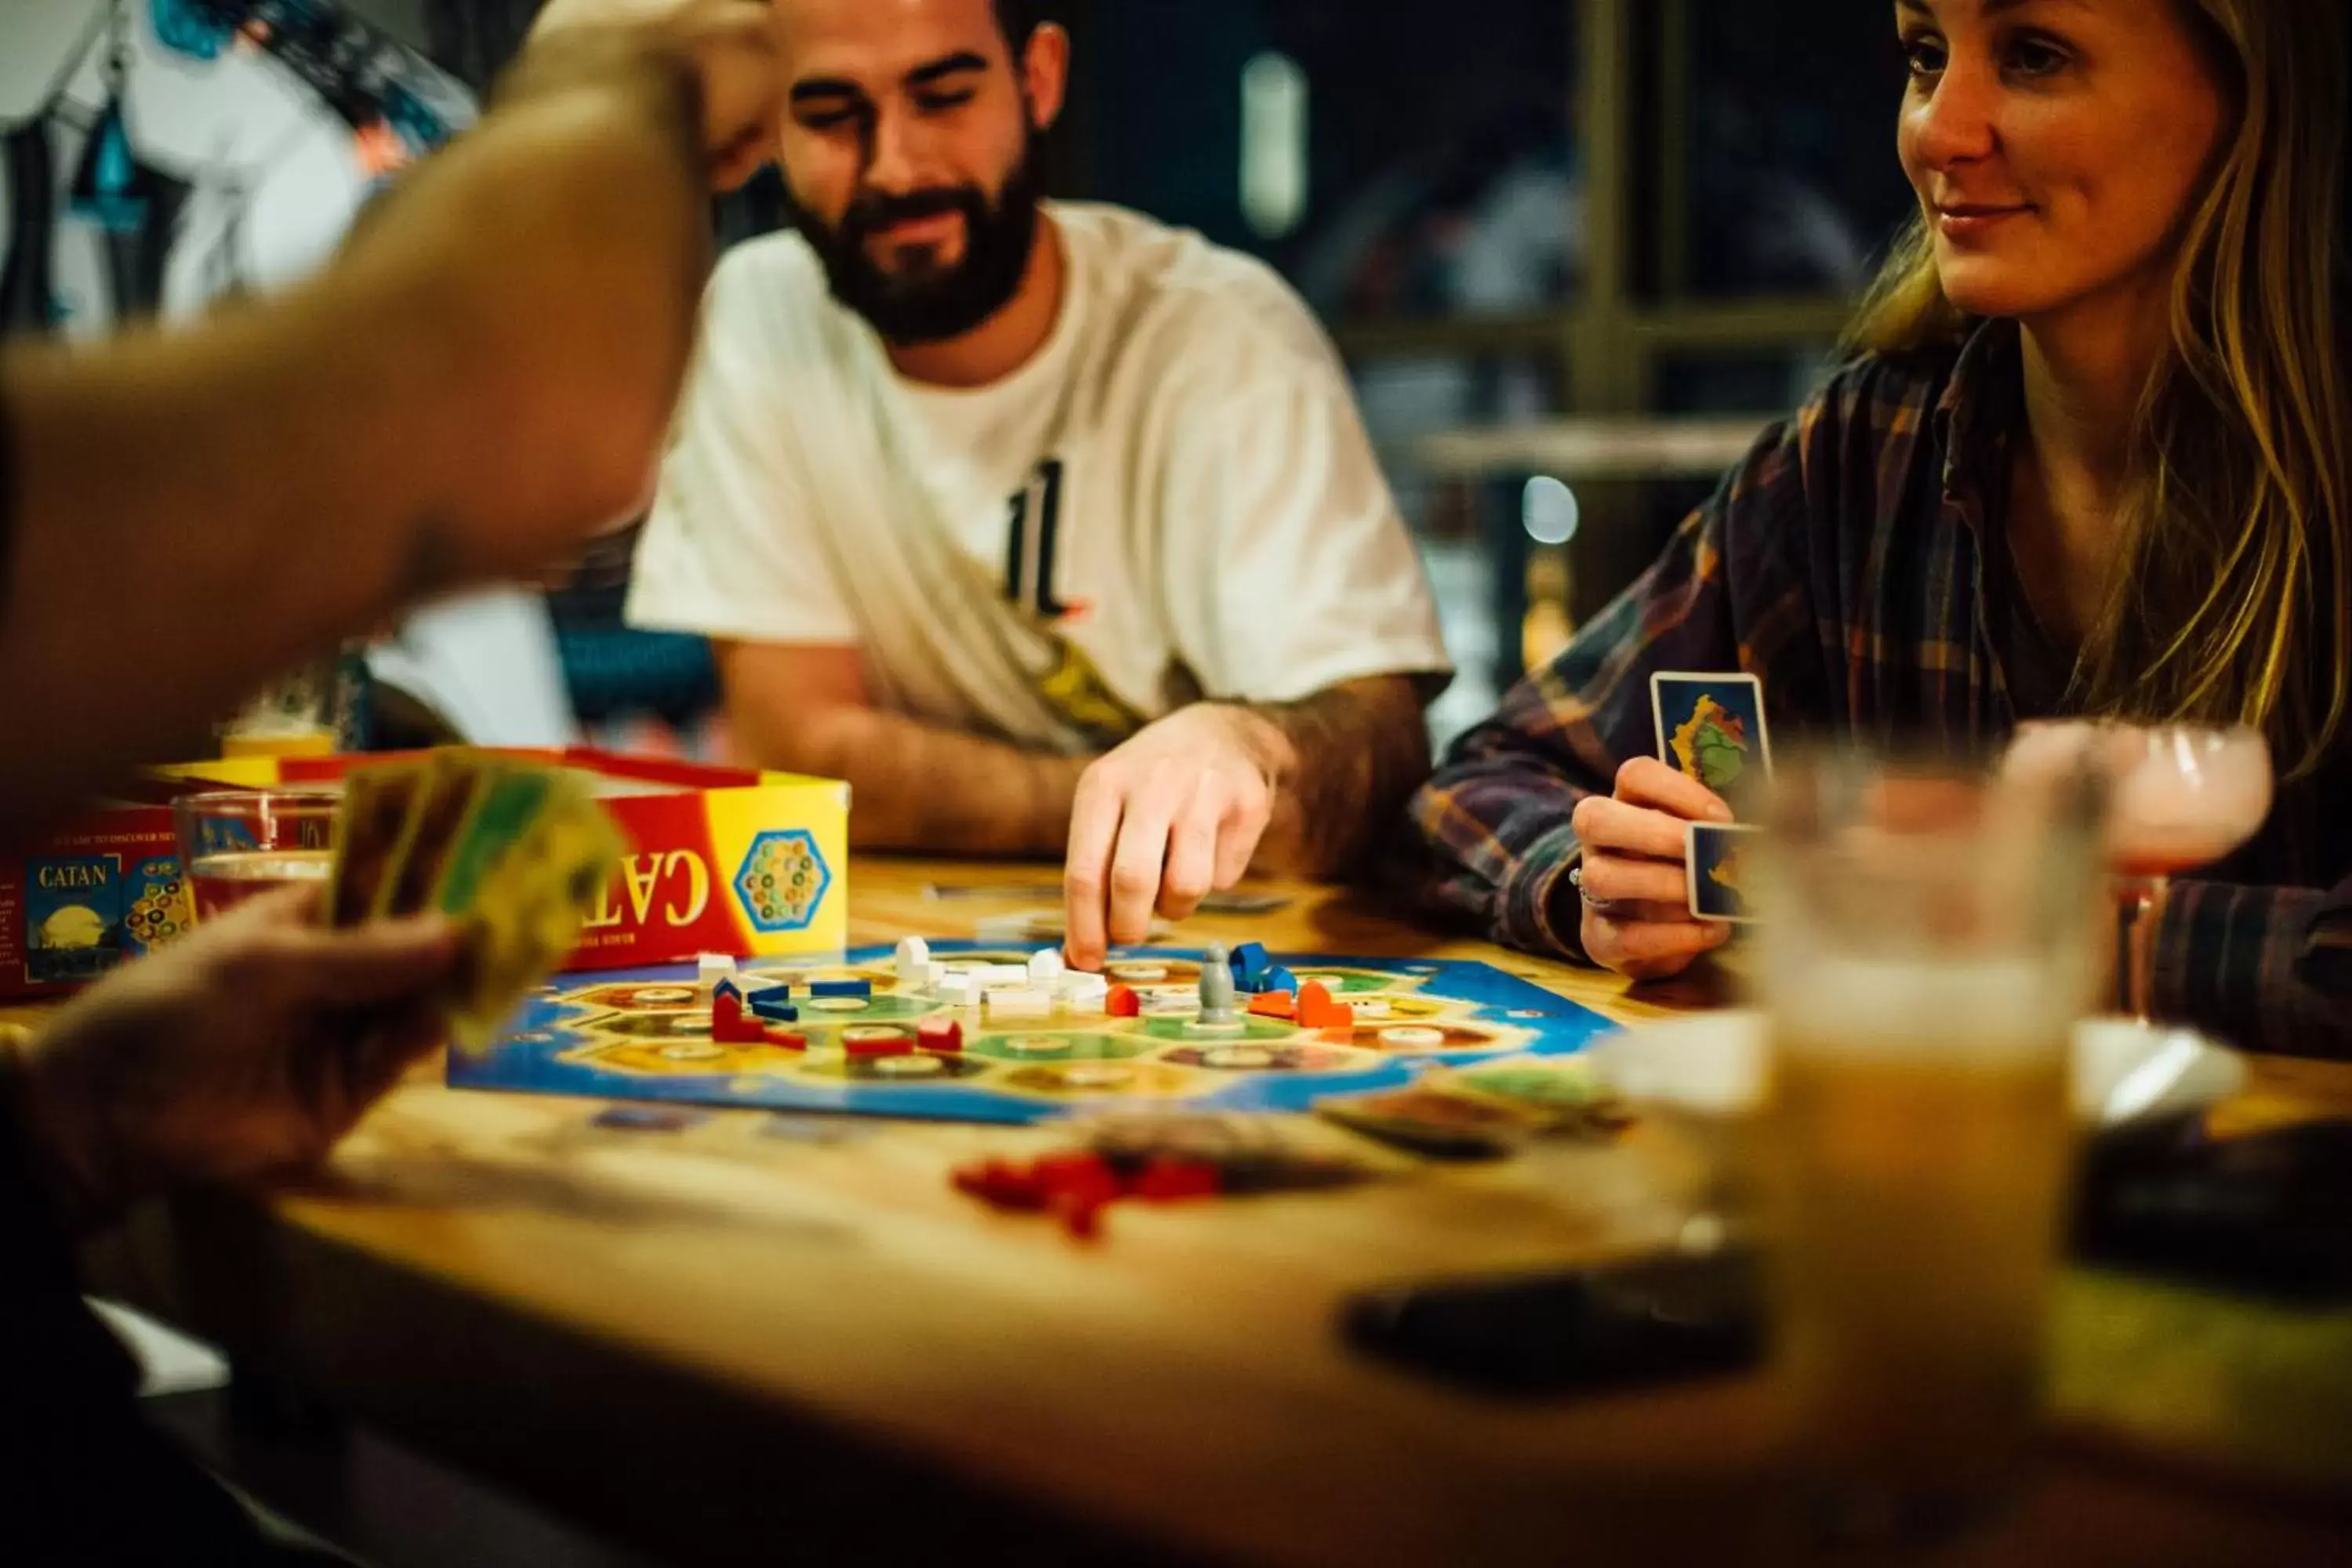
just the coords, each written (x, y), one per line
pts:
(2233, 600)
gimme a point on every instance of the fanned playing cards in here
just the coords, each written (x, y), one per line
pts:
(515, 853)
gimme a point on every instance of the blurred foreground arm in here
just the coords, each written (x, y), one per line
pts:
(482, 379)
(247, 1050)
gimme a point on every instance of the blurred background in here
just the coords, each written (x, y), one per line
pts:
(1576, 252)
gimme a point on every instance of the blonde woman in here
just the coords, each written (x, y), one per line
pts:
(2086, 456)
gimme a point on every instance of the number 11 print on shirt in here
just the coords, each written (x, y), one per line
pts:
(1071, 685)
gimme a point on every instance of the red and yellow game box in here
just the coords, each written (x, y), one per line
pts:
(721, 860)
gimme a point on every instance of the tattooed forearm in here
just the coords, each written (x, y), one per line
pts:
(1361, 748)
(918, 787)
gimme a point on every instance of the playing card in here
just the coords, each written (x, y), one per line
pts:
(1430, 1118)
(1237, 903)
(649, 1118)
(1038, 928)
(374, 811)
(507, 799)
(1711, 728)
(443, 799)
(1244, 903)
(526, 914)
(1561, 1091)
(1717, 862)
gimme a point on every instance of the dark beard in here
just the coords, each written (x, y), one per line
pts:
(928, 304)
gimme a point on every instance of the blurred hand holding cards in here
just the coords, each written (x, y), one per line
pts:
(515, 853)
(1711, 728)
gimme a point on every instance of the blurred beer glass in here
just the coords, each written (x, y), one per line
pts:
(1929, 944)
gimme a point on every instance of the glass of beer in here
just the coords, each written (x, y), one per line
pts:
(235, 845)
(1929, 943)
(314, 710)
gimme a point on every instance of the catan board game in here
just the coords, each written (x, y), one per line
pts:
(647, 1034)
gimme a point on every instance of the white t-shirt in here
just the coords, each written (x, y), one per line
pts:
(1174, 498)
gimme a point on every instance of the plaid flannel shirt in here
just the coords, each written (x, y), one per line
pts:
(1843, 562)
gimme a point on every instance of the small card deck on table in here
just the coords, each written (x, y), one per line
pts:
(860, 1027)
(1712, 728)
(1489, 1110)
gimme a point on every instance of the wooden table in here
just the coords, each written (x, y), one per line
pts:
(725, 1345)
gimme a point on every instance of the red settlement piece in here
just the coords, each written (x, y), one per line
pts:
(1167, 1180)
(729, 1026)
(940, 1035)
(892, 1044)
(1077, 1188)
(1002, 1184)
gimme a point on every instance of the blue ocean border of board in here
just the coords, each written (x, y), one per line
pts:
(1561, 1028)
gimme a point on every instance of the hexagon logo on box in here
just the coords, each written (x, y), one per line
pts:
(783, 882)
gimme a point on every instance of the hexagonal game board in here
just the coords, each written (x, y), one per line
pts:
(645, 1034)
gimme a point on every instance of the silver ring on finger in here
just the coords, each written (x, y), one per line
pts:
(1601, 906)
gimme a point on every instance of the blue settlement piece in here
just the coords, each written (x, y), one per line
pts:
(1278, 979)
(726, 988)
(1250, 966)
(774, 1005)
(861, 989)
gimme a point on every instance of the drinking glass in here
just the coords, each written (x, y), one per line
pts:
(2183, 796)
(312, 710)
(235, 845)
(1929, 949)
